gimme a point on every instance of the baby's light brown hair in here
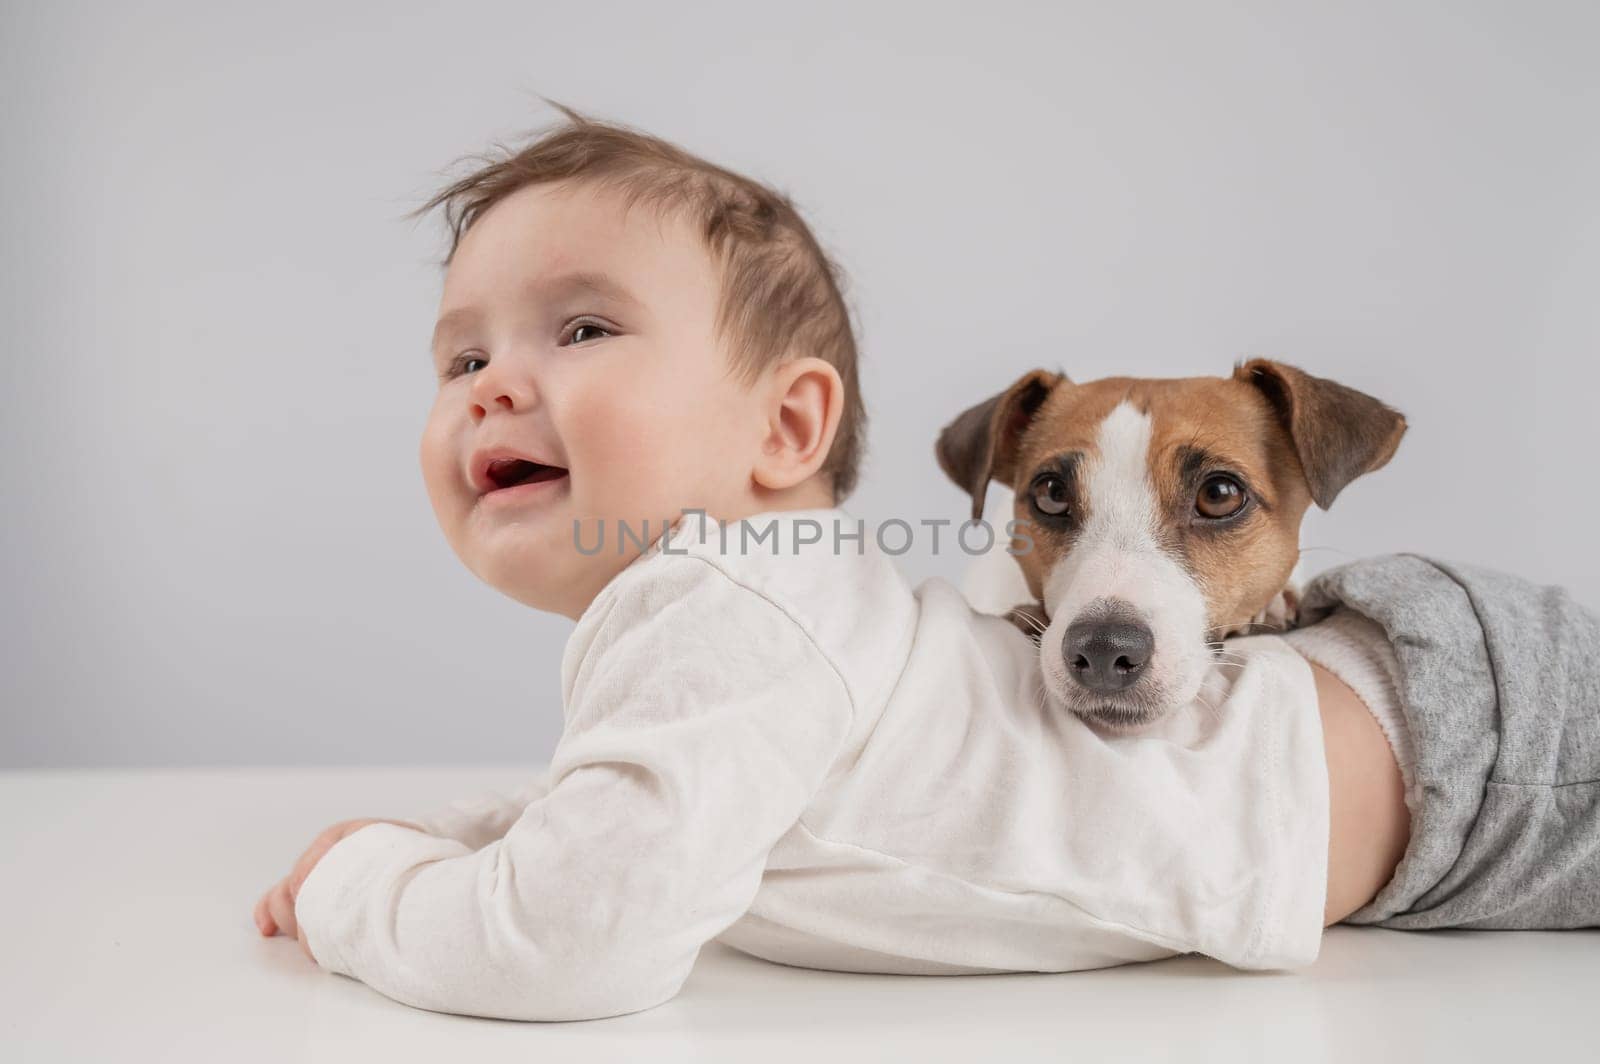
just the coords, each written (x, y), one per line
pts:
(782, 296)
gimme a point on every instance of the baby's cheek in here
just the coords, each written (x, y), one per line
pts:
(438, 460)
(623, 453)
(654, 446)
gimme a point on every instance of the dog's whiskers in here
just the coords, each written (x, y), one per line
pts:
(1211, 709)
(1017, 613)
(1335, 550)
(1246, 628)
(1030, 625)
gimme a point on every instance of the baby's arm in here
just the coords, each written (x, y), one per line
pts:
(1368, 823)
(701, 720)
(473, 822)
(476, 822)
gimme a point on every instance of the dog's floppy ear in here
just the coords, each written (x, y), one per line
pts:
(980, 445)
(1338, 432)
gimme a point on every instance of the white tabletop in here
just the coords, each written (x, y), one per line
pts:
(127, 935)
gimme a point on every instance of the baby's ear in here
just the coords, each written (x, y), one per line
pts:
(981, 444)
(1338, 432)
(804, 404)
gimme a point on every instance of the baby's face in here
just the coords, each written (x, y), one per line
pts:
(581, 379)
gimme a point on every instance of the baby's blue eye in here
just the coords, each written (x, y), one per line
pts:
(463, 364)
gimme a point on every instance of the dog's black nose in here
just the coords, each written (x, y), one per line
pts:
(1107, 655)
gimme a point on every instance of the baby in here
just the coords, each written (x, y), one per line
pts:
(647, 417)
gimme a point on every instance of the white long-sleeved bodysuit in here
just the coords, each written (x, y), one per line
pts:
(786, 748)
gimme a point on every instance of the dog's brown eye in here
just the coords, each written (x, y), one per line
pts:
(1050, 495)
(1220, 496)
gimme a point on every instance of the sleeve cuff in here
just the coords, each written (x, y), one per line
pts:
(346, 889)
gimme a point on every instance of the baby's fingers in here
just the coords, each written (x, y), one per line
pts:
(281, 908)
(264, 921)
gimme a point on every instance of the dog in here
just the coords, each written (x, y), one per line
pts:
(1163, 515)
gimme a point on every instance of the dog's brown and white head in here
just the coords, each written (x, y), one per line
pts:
(1162, 513)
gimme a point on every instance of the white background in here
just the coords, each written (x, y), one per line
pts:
(216, 546)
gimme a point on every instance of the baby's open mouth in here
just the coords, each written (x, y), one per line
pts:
(511, 472)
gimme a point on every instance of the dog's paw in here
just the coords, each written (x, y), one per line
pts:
(1281, 613)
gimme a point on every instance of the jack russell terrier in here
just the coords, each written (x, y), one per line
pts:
(1164, 514)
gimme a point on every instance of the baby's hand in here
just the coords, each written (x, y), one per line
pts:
(275, 910)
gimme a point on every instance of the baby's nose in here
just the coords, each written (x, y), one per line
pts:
(502, 400)
(497, 387)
